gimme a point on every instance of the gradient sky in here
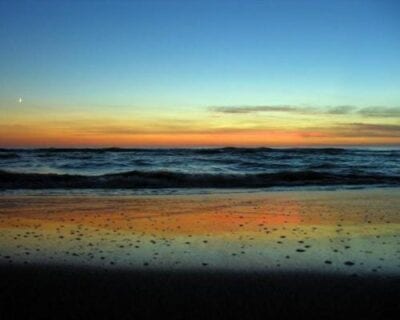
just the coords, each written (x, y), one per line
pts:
(199, 73)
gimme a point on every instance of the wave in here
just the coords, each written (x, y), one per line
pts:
(232, 150)
(168, 179)
(8, 155)
(323, 166)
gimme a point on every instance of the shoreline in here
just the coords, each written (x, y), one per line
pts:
(143, 192)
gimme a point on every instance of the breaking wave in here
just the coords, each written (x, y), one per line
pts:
(167, 179)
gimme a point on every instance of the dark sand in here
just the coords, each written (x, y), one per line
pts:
(73, 293)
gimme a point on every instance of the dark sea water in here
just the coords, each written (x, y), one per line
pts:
(197, 168)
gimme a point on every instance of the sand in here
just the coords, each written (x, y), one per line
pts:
(259, 251)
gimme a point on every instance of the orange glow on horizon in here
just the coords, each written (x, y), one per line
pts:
(211, 139)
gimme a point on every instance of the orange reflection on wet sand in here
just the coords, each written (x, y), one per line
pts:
(163, 215)
(292, 230)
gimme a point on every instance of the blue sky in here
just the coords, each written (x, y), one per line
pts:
(201, 53)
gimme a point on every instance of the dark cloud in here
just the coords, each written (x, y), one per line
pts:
(339, 110)
(377, 112)
(283, 108)
(380, 112)
(368, 130)
(253, 109)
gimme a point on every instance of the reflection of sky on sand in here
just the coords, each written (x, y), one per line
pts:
(349, 231)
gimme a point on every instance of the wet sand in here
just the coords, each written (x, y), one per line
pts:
(276, 253)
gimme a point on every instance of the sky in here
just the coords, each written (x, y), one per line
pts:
(199, 73)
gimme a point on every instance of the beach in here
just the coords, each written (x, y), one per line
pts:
(199, 159)
(260, 253)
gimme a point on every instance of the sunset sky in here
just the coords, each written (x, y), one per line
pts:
(199, 73)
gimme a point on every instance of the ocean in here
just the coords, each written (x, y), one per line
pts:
(200, 168)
